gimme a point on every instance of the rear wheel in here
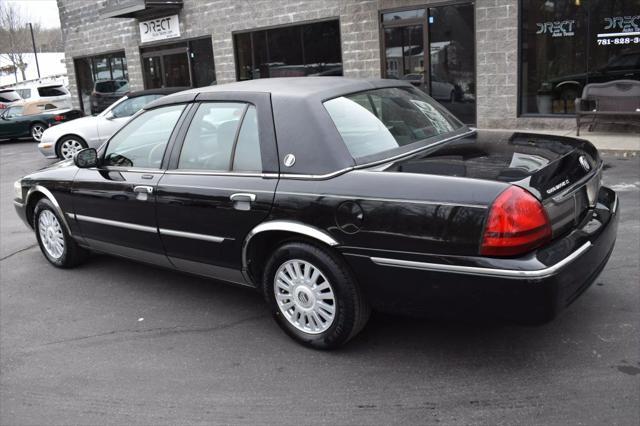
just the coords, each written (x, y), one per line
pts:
(69, 145)
(313, 295)
(36, 131)
(56, 244)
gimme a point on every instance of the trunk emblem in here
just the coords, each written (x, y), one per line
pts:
(584, 163)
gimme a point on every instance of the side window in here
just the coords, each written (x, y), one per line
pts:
(142, 142)
(247, 153)
(208, 144)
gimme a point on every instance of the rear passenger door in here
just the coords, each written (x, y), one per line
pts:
(220, 183)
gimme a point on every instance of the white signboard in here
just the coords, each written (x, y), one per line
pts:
(159, 29)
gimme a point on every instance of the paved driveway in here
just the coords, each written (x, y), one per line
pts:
(114, 342)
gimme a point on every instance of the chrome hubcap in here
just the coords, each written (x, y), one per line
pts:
(51, 234)
(36, 132)
(69, 148)
(304, 296)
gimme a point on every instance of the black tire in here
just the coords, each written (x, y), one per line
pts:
(72, 254)
(352, 310)
(36, 131)
(65, 139)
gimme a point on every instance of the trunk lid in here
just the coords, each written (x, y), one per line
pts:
(563, 172)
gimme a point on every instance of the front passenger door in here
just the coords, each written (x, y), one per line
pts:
(114, 204)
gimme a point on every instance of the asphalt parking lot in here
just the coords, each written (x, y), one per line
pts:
(114, 342)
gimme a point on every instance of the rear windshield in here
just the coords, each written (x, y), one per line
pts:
(110, 86)
(381, 120)
(52, 91)
(9, 96)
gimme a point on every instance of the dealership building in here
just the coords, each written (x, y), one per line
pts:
(493, 63)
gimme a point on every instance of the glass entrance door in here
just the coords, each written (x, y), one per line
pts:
(447, 73)
(452, 59)
(404, 54)
(166, 68)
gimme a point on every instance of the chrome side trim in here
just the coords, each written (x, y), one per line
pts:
(182, 234)
(221, 173)
(116, 223)
(475, 270)
(315, 177)
(384, 200)
(56, 206)
(414, 151)
(288, 226)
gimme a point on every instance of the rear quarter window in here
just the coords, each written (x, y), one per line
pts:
(381, 120)
(52, 91)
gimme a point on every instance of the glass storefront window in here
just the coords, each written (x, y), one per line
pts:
(566, 44)
(292, 51)
(106, 69)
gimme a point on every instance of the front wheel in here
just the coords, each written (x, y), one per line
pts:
(36, 131)
(313, 295)
(69, 145)
(56, 244)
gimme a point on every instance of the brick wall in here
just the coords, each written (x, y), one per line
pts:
(85, 33)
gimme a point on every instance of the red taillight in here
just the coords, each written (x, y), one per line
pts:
(58, 117)
(517, 224)
(2, 106)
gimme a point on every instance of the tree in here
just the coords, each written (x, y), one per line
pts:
(14, 39)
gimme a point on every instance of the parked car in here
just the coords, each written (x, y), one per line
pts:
(105, 93)
(8, 97)
(332, 196)
(440, 90)
(29, 119)
(55, 94)
(624, 66)
(91, 131)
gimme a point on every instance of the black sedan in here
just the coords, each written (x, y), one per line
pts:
(332, 196)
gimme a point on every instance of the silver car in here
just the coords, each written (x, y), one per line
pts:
(64, 140)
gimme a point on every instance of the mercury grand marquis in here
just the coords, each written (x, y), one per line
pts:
(332, 197)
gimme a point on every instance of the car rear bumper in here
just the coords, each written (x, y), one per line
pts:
(535, 287)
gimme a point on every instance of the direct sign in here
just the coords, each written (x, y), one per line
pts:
(159, 29)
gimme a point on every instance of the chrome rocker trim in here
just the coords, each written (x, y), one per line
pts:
(116, 223)
(182, 234)
(490, 272)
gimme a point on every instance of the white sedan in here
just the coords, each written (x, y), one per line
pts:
(64, 140)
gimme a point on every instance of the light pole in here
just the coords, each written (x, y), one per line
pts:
(33, 42)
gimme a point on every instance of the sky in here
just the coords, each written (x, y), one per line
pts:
(43, 11)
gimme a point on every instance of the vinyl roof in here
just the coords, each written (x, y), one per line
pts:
(286, 87)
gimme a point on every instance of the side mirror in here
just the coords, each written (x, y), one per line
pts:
(86, 158)
(109, 115)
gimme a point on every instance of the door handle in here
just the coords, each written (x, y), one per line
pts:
(143, 189)
(143, 192)
(242, 201)
(243, 196)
